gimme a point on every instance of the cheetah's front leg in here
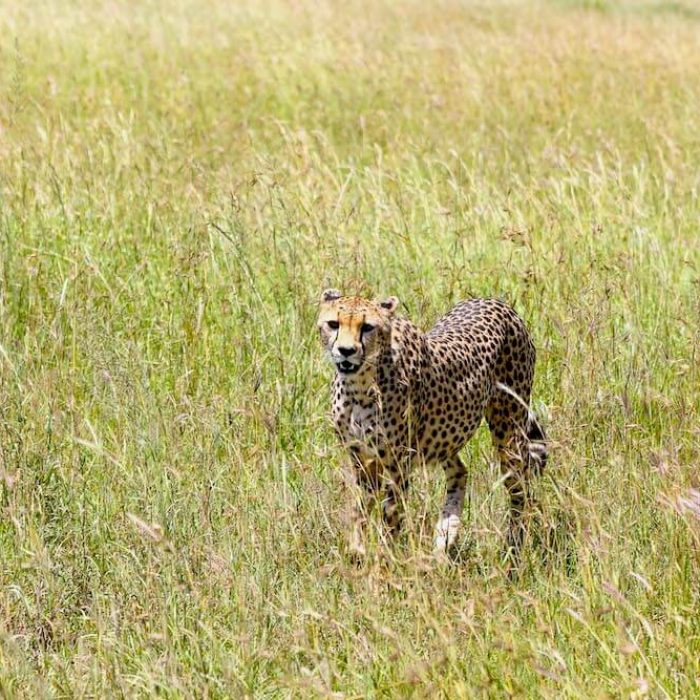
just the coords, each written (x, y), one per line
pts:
(448, 526)
(396, 483)
(366, 478)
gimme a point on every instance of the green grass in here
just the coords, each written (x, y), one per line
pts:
(178, 181)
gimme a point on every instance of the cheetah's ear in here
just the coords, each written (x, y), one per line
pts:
(329, 295)
(389, 304)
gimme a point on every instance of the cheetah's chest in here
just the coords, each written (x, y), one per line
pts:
(359, 425)
(364, 422)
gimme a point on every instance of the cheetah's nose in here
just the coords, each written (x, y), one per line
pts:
(346, 352)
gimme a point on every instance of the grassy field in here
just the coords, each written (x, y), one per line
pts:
(178, 181)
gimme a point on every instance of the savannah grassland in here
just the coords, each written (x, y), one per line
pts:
(178, 181)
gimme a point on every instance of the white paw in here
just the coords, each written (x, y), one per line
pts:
(447, 533)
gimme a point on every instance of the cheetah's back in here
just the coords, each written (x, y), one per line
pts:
(479, 345)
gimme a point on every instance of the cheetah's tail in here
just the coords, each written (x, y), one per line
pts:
(536, 436)
(537, 444)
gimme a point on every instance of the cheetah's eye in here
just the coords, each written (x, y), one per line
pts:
(367, 328)
(333, 325)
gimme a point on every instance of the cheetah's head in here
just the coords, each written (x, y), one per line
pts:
(354, 331)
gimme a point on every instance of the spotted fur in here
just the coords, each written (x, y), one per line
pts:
(401, 395)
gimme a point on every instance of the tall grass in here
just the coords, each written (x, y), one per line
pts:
(178, 181)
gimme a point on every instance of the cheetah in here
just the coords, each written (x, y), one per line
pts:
(402, 395)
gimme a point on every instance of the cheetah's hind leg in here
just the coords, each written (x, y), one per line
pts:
(521, 446)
